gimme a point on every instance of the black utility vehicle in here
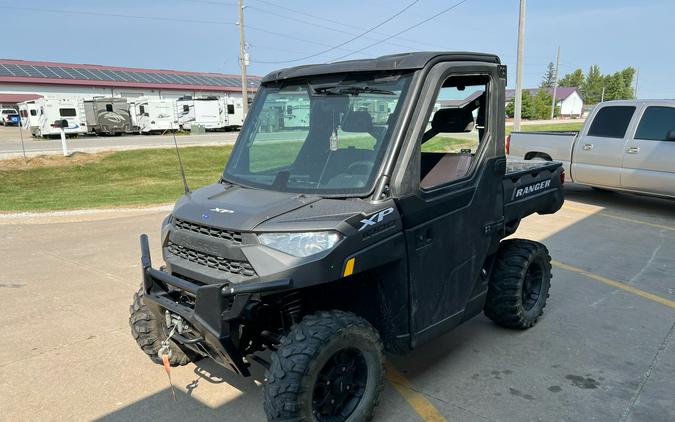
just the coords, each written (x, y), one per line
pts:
(361, 211)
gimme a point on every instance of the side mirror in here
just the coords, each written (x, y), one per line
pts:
(670, 136)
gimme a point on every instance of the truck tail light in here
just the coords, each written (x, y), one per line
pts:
(562, 177)
(508, 143)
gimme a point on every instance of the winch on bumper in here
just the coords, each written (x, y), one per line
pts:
(213, 311)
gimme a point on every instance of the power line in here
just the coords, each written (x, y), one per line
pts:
(346, 25)
(165, 19)
(322, 26)
(389, 19)
(403, 31)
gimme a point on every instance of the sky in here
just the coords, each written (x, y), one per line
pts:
(202, 35)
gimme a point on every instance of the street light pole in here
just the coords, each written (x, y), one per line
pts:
(519, 67)
(243, 57)
(555, 83)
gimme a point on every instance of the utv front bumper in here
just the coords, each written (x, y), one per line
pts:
(214, 312)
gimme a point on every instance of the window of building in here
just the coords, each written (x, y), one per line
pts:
(655, 124)
(454, 132)
(611, 122)
(108, 107)
(230, 109)
(186, 108)
(33, 112)
(141, 109)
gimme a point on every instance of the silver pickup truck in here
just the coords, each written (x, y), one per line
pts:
(624, 145)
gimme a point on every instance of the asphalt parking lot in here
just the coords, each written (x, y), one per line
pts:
(602, 352)
(10, 142)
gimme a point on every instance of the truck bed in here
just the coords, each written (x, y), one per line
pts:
(531, 187)
(547, 145)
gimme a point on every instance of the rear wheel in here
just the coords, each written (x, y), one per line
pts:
(330, 367)
(148, 332)
(519, 284)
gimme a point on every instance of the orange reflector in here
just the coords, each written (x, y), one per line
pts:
(349, 267)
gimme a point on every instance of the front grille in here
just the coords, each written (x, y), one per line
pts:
(234, 237)
(211, 261)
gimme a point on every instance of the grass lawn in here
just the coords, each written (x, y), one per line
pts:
(108, 179)
(533, 127)
(151, 176)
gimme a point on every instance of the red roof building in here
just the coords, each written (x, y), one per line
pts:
(19, 77)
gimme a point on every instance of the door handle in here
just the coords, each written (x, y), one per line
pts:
(588, 147)
(633, 150)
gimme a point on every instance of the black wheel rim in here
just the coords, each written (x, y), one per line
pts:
(340, 386)
(534, 280)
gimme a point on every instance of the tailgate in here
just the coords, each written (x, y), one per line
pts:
(532, 186)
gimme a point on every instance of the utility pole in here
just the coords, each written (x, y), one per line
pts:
(637, 78)
(602, 97)
(243, 57)
(519, 67)
(555, 83)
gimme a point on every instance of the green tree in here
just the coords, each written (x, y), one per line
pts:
(511, 108)
(628, 74)
(615, 87)
(527, 109)
(541, 105)
(591, 89)
(549, 77)
(574, 79)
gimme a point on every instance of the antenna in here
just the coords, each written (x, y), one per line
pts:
(180, 162)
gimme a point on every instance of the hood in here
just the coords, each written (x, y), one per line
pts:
(236, 208)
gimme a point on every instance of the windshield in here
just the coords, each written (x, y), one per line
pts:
(325, 136)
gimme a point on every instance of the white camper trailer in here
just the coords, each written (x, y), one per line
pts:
(207, 112)
(50, 111)
(234, 108)
(151, 115)
(28, 111)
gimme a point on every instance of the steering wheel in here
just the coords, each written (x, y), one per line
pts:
(366, 167)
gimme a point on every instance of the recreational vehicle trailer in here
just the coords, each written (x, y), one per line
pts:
(207, 112)
(28, 111)
(234, 108)
(108, 115)
(51, 111)
(151, 115)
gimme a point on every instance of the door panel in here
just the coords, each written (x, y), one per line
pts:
(447, 245)
(649, 159)
(597, 154)
(597, 161)
(649, 166)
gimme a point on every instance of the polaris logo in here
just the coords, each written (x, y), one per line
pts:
(375, 218)
(530, 189)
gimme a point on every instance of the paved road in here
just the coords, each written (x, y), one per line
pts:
(10, 142)
(602, 352)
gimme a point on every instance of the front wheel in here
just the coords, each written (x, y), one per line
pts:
(148, 331)
(519, 284)
(329, 367)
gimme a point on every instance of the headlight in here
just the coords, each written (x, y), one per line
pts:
(300, 244)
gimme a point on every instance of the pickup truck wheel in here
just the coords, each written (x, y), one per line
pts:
(519, 284)
(148, 332)
(330, 367)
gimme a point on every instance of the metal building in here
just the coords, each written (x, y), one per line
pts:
(24, 80)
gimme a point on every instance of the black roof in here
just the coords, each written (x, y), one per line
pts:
(402, 61)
